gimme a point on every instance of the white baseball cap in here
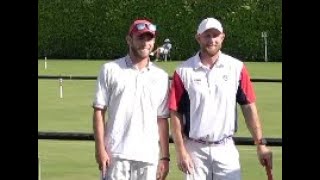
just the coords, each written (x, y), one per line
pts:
(209, 23)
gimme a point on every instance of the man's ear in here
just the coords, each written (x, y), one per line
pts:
(128, 39)
(197, 37)
(223, 35)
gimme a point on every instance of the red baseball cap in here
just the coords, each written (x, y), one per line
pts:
(141, 26)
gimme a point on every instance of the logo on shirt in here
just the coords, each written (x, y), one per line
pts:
(225, 77)
(197, 81)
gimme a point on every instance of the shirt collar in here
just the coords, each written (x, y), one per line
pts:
(198, 64)
(129, 63)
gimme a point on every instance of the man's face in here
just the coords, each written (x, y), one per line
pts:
(210, 41)
(142, 45)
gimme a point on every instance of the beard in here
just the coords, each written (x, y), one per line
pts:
(211, 50)
(140, 53)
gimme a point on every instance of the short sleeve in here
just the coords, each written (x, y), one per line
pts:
(101, 93)
(163, 110)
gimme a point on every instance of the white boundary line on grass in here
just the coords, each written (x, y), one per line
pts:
(39, 168)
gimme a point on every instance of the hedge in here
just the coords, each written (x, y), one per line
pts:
(96, 29)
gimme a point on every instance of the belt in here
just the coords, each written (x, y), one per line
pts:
(201, 141)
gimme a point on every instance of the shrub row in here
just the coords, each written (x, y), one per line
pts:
(96, 29)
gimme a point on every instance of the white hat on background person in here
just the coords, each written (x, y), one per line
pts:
(209, 23)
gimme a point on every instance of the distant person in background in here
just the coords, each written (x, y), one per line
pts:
(204, 94)
(132, 142)
(163, 52)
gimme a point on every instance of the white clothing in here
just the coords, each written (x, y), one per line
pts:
(134, 99)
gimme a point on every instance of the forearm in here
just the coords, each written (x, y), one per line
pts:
(163, 127)
(252, 120)
(176, 130)
(254, 125)
(99, 128)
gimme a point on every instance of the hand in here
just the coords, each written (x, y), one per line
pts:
(103, 160)
(185, 163)
(163, 169)
(264, 155)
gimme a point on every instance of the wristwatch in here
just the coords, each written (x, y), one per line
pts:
(261, 141)
(165, 158)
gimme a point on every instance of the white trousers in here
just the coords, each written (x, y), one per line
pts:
(214, 162)
(121, 169)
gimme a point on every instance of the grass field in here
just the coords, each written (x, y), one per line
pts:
(90, 67)
(75, 159)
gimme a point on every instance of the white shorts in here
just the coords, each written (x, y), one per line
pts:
(217, 161)
(165, 51)
(161, 49)
(130, 170)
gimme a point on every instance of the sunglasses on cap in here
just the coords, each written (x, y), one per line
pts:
(142, 26)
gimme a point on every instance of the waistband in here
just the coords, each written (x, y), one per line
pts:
(201, 141)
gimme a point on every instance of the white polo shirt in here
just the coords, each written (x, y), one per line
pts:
(134, 99)
(207, 97)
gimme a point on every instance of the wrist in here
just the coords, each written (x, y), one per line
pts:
(260, 142)
(165, 158)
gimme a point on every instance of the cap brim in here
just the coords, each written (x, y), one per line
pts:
(139, 33)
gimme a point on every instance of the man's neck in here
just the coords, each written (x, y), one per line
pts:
(139, 63)
(207, 60)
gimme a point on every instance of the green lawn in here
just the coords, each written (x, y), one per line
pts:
(74, 113)
(75, 159)
(91, 67)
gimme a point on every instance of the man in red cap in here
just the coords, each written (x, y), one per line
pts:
(132, 141)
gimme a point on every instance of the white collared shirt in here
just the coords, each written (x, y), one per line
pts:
(208, 97)
(134, 100)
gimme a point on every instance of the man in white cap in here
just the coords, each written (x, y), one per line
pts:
(203, 101)
(134, 92)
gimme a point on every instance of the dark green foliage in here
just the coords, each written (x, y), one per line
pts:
(96, 29)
